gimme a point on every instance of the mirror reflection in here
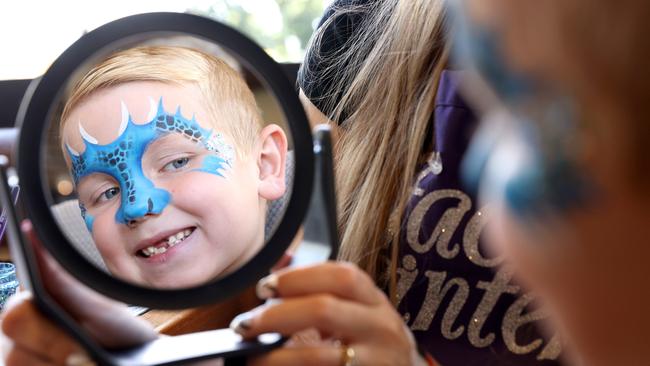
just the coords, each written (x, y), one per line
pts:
(168, 164)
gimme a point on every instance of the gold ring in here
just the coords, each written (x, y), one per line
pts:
(347, 356)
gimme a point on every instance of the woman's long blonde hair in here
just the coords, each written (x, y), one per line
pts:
(395, 61)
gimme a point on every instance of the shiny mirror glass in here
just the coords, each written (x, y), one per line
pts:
(167, 161)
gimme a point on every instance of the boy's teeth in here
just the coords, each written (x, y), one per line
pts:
(171, 241)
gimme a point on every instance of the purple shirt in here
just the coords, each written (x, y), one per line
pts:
(461, 306)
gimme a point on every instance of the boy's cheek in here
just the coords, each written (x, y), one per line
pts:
(106, 238)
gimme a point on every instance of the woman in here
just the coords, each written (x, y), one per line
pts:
(380, 71)
(586, 256)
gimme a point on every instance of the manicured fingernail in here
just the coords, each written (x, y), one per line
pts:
(242, 323)
(267, 287)
(79, 359)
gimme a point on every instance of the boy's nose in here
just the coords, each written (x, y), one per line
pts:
(138, 204)
(132, 218)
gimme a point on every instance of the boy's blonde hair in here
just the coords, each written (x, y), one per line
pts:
(228, 100)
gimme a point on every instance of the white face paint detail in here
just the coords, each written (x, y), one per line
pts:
(153, 110)
(218, 144)
(86, 136)
(72, 151)
(125, 119)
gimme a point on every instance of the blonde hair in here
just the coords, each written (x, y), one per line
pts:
(394, 65)
(228, 99)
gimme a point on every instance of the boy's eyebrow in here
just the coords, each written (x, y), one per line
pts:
(89, 181)
(94, 177)
(171, 143)
(167, 139)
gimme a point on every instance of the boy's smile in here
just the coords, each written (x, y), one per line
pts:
(179, 209)
(163, 242)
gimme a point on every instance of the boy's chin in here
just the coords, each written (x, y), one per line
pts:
(175, 279)
(172, 283)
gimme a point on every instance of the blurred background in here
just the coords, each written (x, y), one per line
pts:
(35, 32)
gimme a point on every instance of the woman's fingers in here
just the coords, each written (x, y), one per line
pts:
(19, 356)
(342, 280)
(341, 303)
(335, 318)
(313, 356)
(32, 333)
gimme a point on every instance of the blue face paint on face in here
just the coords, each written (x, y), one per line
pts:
(122, 160)
(547, 175)
(88, 219)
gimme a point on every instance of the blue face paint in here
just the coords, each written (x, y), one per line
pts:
(478, 48)
(88, 219)
(546, 174)
(122, 160)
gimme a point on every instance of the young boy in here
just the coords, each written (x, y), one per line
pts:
(171, 165)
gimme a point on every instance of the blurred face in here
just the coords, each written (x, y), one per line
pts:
(528, 29)
(590, 264)
(168, 203)
(589, 261)
(595, 50)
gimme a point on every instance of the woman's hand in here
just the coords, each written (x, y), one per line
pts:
(357, 322)
(32, 339)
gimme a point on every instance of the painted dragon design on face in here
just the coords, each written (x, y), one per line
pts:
(122, 159)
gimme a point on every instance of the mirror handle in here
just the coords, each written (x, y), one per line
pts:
(325, 184)
(224, 343)
(321, 239)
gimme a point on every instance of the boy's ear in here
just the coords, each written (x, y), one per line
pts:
(271, 161)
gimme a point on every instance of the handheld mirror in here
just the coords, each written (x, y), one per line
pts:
(175, 165)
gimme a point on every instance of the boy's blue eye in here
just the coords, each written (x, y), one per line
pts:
(176, 164)
(109, 193)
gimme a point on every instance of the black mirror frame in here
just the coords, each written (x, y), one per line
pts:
(36, 111)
